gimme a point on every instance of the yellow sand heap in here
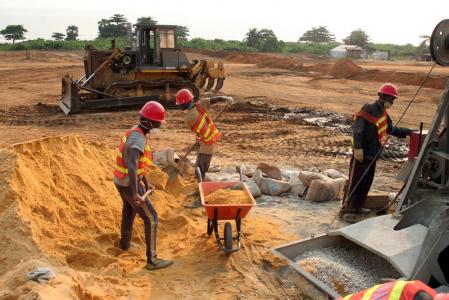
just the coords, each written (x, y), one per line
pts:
(227, 196)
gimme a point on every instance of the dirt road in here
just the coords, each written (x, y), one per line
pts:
(252, 133)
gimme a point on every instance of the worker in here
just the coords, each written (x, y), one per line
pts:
(133, 158)
(371, 128)
(198, 120)
(398, 290)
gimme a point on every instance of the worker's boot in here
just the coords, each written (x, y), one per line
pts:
(364, 211)
(158, 263)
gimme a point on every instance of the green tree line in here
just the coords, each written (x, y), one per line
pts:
(318, 40)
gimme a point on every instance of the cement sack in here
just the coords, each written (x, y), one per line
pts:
(270, 186)
(253, 188)
(339, 185)
(297, 187)
(334, 174)
(165, 157)
(223, 177)
(247, 171)
(307, 177)
(270, 171)
(320, 191)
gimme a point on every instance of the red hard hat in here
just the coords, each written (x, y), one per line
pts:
(153, 111)
(389, 89)
(183, 96)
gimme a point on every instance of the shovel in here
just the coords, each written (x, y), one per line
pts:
(181, 166)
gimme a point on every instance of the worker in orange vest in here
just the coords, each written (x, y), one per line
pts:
(398, 290)
(133, 158)
(371, 128)
(198, 120)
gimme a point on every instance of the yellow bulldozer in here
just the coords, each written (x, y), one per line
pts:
(153, 70)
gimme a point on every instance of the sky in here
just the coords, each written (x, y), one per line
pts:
(396, 22)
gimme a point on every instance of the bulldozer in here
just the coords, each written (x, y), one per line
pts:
(414, 240)
(155, 69)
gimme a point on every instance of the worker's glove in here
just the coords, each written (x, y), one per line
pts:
(150, 187)
(138, 200)
(358, 154)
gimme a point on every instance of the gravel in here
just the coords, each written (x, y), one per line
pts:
(346, 270)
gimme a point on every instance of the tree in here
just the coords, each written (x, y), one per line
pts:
(147, 21)
(317, 35)
(357, 37)
(252, 38)
(264, 40)
(58, 36)
(115, 26)
(72, 33)
(182, 32)
(14, 32)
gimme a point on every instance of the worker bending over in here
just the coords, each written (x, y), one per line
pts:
(197, 118)
(371, 128)
(133, 158)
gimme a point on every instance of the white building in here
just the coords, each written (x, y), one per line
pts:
(342, 51)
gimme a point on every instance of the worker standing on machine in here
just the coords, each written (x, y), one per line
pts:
(198, 120)
(371, 128)
(133, 158)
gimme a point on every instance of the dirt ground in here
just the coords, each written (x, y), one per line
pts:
(29, 92)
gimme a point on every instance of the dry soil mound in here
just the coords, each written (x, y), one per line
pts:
(345, 69)
(59, 208)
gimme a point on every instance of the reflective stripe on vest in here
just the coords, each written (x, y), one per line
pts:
(205, 128)
(145, 160)
(396, 290)
(380, 122)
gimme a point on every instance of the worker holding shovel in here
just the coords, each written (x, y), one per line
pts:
(198, 120)
(133, 158)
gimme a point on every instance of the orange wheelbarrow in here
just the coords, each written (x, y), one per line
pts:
(217, 212)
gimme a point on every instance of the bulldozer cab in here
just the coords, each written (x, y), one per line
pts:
(152, 41)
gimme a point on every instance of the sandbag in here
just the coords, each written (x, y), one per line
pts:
(165, 157)
(253, 188)
(270, 186)
(307, 177)
(338, 185)
(320, 191)
(332, 173)
(297, 187)
(270, 171)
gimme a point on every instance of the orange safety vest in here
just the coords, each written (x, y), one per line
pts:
(145, 160)
(205, 128)
(395, 290)
(380, 122)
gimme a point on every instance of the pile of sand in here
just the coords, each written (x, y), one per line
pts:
(59, 209)
(345, 69)
(226, 196)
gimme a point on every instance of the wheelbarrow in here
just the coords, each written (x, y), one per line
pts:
(216, 212)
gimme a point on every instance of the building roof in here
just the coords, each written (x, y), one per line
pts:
(347, 48)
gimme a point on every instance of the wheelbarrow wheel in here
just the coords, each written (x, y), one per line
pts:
(228, 236)
(210, 227)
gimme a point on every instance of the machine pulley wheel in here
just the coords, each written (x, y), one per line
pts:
(439, 43)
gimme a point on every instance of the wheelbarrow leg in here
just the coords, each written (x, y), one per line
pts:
(238, 223)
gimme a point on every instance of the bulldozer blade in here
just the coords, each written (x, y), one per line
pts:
(210, 83)
(69, 102)
(219, 85)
